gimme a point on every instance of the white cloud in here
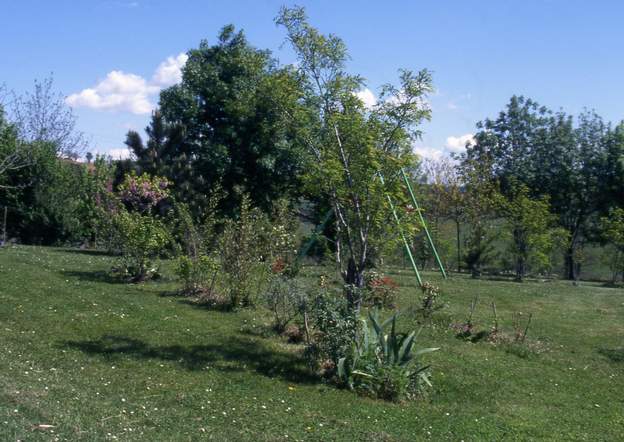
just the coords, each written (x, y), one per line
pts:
(119, 154)
(121, 91)
(458, 144)
(367, 97)
(429, 152)
(169, 72)
(118, 91)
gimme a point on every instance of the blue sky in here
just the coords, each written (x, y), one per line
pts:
(564, 54)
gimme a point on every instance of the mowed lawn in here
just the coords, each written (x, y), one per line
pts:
(99, 360)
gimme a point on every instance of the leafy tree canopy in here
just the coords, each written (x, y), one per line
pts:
(221, 126)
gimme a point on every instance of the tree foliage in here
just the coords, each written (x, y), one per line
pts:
(221, 126)
(352, 147)
(556, 156)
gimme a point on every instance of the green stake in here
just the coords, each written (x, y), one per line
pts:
(405, 242)
(422, 221)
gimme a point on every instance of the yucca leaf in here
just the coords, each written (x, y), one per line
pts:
(422, 351)
(420, 370)
(341, 369)
(394, 348)
(361, 373)
(376, 326)
(406, 348)
(389, 320)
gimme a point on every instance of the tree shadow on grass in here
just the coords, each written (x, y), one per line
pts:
(613, 354)
(232, 354)
(213, 305)
(89, 252)
(93, 276)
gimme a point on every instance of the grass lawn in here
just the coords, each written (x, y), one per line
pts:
(99, 360)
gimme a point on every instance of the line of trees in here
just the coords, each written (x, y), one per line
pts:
(546, 178)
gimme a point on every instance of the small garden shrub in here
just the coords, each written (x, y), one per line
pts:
(381, 290)
(142, 239)
(431, 299)
(384, 364)
(514, 342)
(335, 325)
(286, 299)
(241, 246)
(197, 267)
(198, 275)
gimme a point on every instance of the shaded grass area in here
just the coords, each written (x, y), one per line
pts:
(99, 360)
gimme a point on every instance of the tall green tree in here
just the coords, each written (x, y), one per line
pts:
(612, 227)
(221, 126)
(12, 152)
(531, 227)
(613, 177)
(445, 197)
(353, 146)
(479, 200)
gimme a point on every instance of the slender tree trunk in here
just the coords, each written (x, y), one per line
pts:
(572, 267)
(4, 227)
(521, 247)
(570, 264)
(520, 269)
(457, 225)
(354, 282)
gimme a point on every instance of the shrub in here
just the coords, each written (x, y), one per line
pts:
(431, 299)
(198, 274)
(385, 365)
(335, 325)
(197, 268)
(241, 247)
(286, 299)
(280, 240)
(141, 239)
(380, 290)
(143, 193)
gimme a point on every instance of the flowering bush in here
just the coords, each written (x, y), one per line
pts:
(380, 290)
(142, 193)
(431, 299)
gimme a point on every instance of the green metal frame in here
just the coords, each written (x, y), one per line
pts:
(423, 223)
(408, 249)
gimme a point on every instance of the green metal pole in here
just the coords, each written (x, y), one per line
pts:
(405, 242)
(422, 221)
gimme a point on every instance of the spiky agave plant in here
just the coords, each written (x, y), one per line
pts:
(385, 365)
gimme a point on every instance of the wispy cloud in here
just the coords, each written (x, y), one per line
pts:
(368, 97)
(119, 154)
(458, 144)
(429, 152)
(121, 91)
(453, 145)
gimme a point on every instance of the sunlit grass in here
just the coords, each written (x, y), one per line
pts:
(92, 359)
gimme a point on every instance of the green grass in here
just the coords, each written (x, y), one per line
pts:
(100, 360)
